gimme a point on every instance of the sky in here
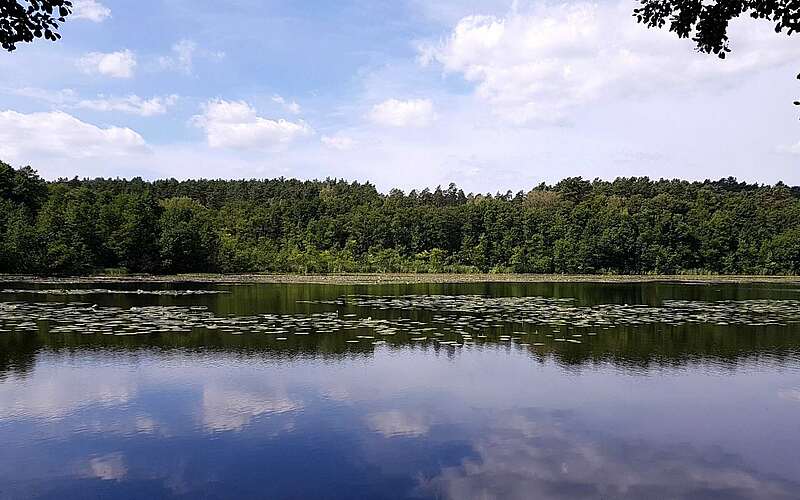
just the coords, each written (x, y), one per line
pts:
(492, 95)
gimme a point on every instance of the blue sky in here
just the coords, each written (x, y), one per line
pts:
(491, 95)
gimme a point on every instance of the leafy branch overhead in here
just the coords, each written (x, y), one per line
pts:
(22, 22)
(707, 21)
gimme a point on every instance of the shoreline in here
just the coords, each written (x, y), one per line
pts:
(396, 278)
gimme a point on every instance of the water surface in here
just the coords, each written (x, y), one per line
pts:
(559, 390)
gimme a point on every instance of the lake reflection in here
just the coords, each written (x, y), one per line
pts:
(650, 410)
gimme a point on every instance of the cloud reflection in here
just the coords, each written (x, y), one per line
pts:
(544, 457)
(395, 423)
(108, 467)
(55, 391)
(228, 409)
(790, 394)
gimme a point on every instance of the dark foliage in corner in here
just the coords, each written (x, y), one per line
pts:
(707, 21)
(22, 22)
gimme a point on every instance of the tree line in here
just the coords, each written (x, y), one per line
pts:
(629, 225)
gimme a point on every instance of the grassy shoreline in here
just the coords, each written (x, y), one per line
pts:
(370, 279)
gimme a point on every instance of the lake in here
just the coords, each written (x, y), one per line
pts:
(531, 390)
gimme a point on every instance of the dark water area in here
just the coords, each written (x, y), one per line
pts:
(507, 391)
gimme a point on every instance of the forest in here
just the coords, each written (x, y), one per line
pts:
(626, 226)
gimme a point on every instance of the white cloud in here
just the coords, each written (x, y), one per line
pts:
(793, 149)
(119, 64)
(182, 57)
(290, 106)
(68, 98)
(340, 142)
(476, 140)
(132, 104)
(26, 136)
(410, 113)
(540, 64)
(235, 124)
(91, 10)
(52, 96)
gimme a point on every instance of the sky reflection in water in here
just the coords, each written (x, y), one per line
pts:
(630, 417)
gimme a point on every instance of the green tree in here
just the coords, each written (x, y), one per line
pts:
(130, 228)
(188, 240)
(66, 226)
(629, 225)
(23, 186)
(20, 249)
(782, 253)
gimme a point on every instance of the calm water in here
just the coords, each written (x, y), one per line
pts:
(436, 391)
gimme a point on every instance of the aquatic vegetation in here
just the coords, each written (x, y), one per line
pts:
(108, 291)
(449, 321)
(255, 368)
(475, 311)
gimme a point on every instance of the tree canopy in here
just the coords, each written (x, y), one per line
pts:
(628, 225)
(22, 22)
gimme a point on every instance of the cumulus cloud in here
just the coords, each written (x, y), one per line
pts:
(340, 142)
(91, 10)
(236, 124)
(23, 136)
(290, 106)
(408, 113)
(541, 63)
(132, 104)
(120, 64)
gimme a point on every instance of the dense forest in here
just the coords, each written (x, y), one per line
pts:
(629, 225)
